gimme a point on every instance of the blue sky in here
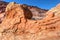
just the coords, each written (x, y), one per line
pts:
(45, 4)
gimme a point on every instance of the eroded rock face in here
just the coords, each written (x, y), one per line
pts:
(2, 10)
(38, 13)
(17, 25)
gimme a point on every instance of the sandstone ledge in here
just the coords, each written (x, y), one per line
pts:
(17, 25)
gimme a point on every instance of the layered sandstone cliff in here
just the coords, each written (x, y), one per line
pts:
(18, 25)
(38, 13)
(2, 9)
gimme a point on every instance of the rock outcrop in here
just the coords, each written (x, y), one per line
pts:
(17, 25)
(38, 13)
(2, 10)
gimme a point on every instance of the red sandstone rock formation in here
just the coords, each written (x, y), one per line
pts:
(17, 25)
(2, 10)
(38, 13)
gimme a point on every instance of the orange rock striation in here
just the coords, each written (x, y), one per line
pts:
(17, 24)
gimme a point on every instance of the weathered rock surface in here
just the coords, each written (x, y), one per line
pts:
(2, 10)
(38, 13)
(17, 25)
